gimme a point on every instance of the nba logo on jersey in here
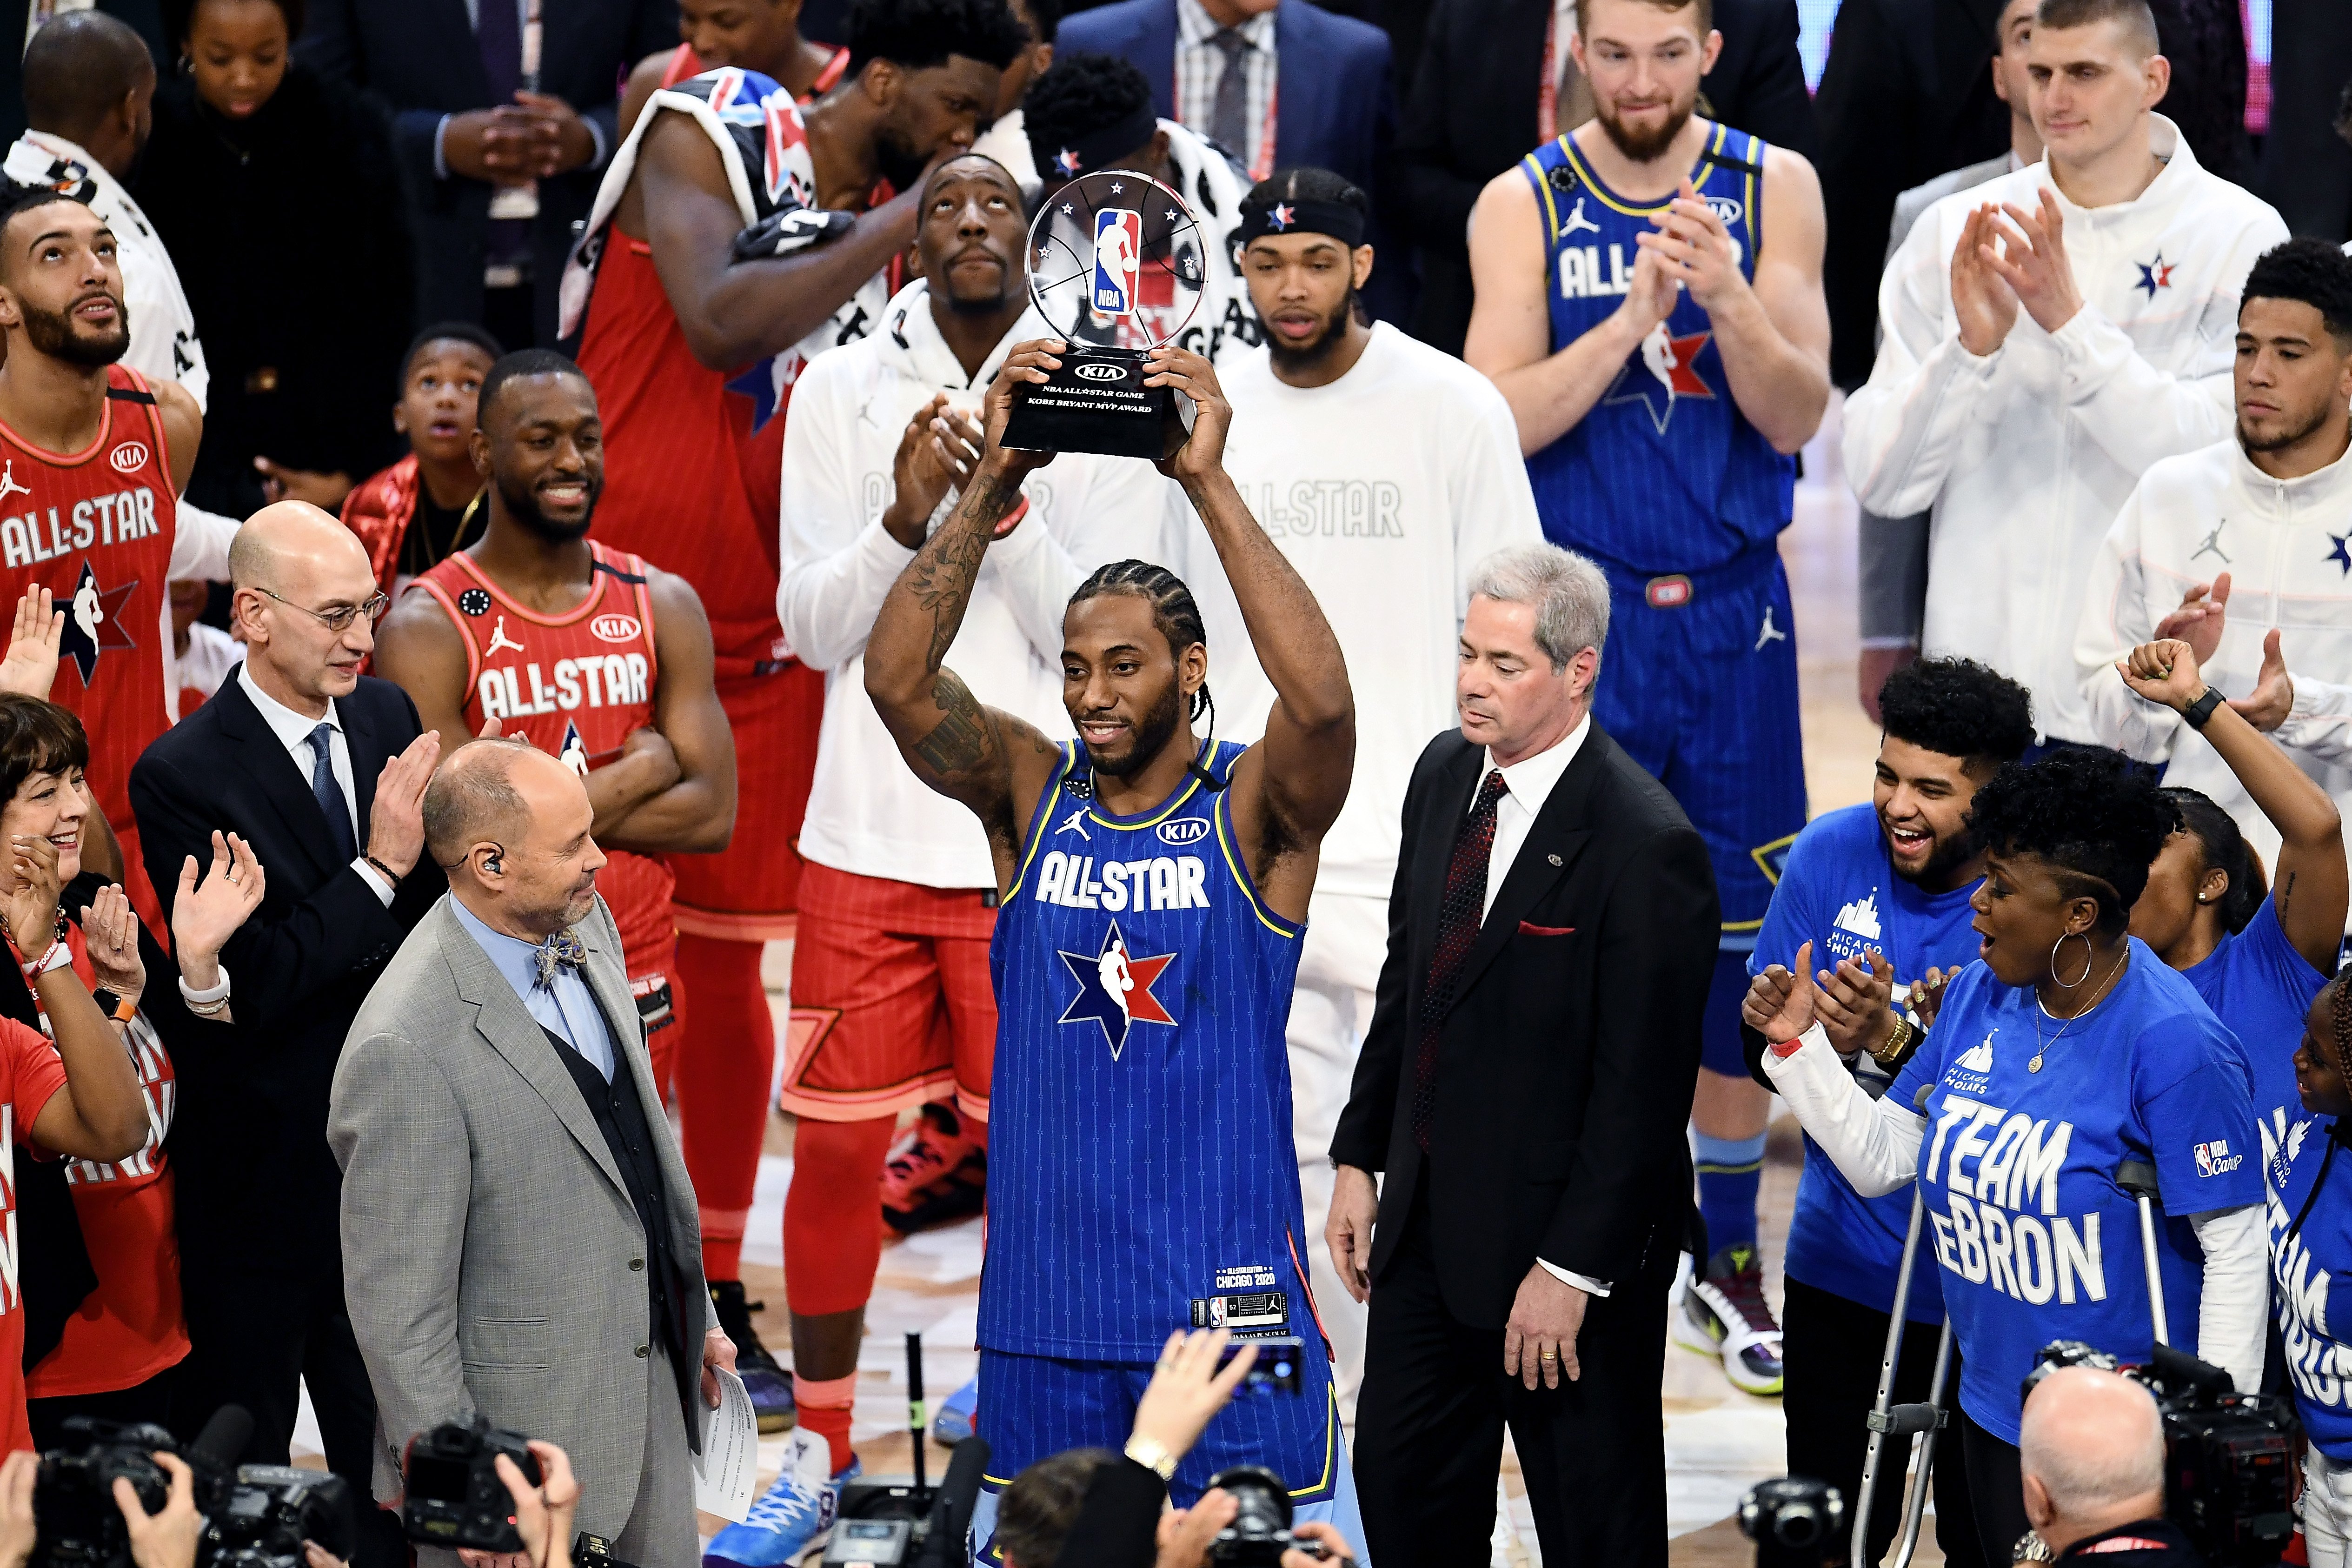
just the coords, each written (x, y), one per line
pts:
(573, 753)
(1118, 253)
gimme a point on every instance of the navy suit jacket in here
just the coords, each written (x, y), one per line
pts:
(420, 57)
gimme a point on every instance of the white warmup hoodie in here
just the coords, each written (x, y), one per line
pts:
(2283, 541)
(867, 813)
(2026, 454)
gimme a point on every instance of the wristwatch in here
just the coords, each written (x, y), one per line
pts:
(2202, 710)
(121, 1009)
(1149, 1453)
(1899, 1045)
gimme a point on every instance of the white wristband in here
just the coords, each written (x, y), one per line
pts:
(209, 995)
(58, 955)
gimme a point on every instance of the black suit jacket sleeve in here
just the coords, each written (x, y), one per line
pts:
(1118, 1521)
(276, 963)
(1662, 908)
(1361, 1137)
(1770, 98)
(1427, 197)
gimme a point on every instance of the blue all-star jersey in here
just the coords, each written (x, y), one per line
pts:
(1839, 892)
(2308, 1172)
(1142, 1177)
(2261, 987)
(1665, 474)
(2036, 1240)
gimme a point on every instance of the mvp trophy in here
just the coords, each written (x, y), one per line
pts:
(1116, 268)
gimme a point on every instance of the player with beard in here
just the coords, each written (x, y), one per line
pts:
(890, 986)
(1385, 471)
(1882, 893)
(92, 458)
(1649, 298)
(590, 654)
(1152, 888)
(732, 238)
(2239, 549)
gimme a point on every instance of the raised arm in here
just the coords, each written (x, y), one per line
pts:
(100, 1112)
(1289, 788)
(2309, 888)
(992, 762)
(1510, 323)
(695, 814)
(733, 312)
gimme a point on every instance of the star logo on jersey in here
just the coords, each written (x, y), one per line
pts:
(574, 752)
(2341, 555)
(94, 621)
(2155, 275)
(1664, 373)
(1115, 989)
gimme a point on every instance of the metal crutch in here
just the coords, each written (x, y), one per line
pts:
(2137, 1177)
(1888, 1419)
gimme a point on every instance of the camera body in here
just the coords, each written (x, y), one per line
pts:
(1789, 1519)
(2228, 1456)
(271, 1511)
(73, 1493)
(452, 1494)
(1260, 1532)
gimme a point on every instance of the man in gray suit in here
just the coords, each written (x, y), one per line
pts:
(518, 1233)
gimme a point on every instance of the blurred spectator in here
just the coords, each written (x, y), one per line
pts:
(2206, 42)
(1034, 1516)
(2306, 170)
(1214, 67)
(1475, 107)
(202, 656)
(90, 89)
(2092, 1452)
(510, 112)
(761, 35)
(1894, 579)
(1092, 112)
(298, 351)
(418, 512)
(20, 19)
(1007, 141)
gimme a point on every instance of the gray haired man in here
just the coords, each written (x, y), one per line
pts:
(2091, 1454)
(1534, 1040)
(519, 1237)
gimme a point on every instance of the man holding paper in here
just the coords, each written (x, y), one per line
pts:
(519, 1238)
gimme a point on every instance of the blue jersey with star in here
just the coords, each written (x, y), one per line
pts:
(1664, 474)
(1141, 1173)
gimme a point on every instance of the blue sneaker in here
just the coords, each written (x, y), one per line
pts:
(952, 1425)
(796, 1513)
(769, 1385)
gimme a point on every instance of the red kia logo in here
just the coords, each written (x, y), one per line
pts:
(129, 458)
(617, 628)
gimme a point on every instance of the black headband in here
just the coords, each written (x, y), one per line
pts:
(1097, 149)
(1306, 215)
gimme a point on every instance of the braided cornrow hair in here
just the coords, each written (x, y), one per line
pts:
(1179, 620)
(2339, 1014)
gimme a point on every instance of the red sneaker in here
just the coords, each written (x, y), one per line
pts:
(933, 1174)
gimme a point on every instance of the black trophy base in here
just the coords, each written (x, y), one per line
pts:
(1097, 402)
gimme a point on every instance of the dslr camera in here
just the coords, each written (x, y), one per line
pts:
(259, 1515)
(2228, 1455)
(453, 1495)
(1792, 1520)
(1260, 1532)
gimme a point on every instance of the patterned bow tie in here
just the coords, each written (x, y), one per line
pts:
(563, 948)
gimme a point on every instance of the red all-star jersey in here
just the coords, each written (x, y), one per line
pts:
(95, 527)
(574, 685)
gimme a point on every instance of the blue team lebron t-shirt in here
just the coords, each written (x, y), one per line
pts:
(2036, 1240)
(1840, 892)
(2261, 987)
(2311, 1271)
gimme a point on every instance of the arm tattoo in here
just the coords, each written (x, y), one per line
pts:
(965, 738)
(2284, 894)
(943, 573)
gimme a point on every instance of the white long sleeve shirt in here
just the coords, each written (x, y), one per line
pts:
(2283, 543)
(1386, 489)
(867, 813)
(2025, 456)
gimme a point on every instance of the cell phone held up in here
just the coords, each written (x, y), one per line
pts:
(452, 1493)
(1280, 1367)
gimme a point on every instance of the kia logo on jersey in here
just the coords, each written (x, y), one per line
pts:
(129, 458)
(617, 628)
(1184, 830)
(1118, 254)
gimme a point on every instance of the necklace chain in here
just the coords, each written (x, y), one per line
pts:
(2040, 1046)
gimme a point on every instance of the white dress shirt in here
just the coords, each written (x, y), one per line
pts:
(566, 1009)
(1527, 783)
(1200, 65)
(293, 732)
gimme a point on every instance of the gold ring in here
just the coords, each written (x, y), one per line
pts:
(1548, 1355)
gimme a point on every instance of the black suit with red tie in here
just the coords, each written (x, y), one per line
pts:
(1525, 1088)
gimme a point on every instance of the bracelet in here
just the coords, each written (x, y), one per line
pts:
(1152, 1455)
(55, 954)
(1899, 1045)
(209, 1001)
(2198, 711)
(389, 875)
(1011, 519)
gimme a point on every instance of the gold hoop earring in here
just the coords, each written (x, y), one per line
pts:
(2087, 956)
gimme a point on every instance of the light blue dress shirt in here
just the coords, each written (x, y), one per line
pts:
(567, 1007)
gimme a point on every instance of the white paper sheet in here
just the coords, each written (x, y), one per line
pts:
(727, 1471)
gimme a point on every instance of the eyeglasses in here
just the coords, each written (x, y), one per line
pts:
(341, 617)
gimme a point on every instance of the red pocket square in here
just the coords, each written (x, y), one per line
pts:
(1528, 927)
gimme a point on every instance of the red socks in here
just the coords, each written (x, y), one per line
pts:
(833, 1215)
(725, 1054)
(824, 1409)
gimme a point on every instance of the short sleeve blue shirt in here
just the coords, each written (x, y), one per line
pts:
(1839, 892)
(2018, 1167)
(2311, 1272)
(2261, 987)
